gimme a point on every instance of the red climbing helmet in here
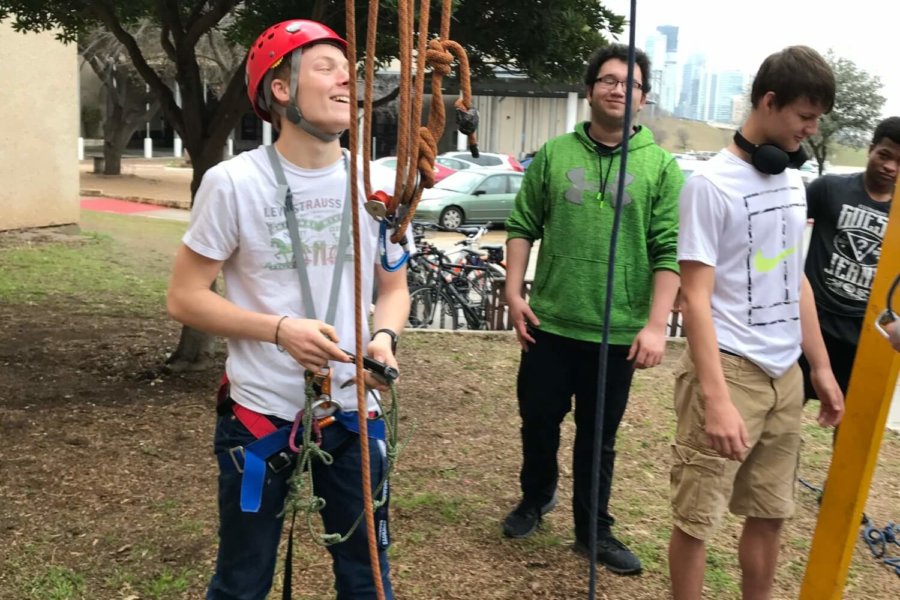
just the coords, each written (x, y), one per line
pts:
(274, 44)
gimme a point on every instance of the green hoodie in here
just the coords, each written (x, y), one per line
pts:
(559, 203)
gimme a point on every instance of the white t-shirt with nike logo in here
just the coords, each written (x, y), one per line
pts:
(749, 226)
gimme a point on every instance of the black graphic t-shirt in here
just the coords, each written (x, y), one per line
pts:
(843, 251)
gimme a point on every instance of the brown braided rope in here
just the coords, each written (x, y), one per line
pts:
(367, 100)
(439, 57)
(361, 406)
(405, 20)
(420, 149)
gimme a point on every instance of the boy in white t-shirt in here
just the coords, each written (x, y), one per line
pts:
(747, 310)
(283, 318)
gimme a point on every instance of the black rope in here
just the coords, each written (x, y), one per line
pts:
(890, 297)
(607, 311)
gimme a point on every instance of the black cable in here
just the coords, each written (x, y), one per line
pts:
(890, 297)
(604, 344)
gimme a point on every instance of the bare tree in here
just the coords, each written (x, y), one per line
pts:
(661, 136)
(684, 138)
(857, 109)
(128, 104)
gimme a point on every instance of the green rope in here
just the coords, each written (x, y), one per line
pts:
(301, 497)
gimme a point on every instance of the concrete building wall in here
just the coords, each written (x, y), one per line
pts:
(39, 170)
(519, 125)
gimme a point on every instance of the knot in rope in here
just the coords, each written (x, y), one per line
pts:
(427, 156)
(439, 57)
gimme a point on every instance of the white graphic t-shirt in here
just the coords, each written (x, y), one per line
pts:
(749, 226)
(238, 217)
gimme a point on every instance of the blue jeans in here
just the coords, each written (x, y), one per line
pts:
(248, 542)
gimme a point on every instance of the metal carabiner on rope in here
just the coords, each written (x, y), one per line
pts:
(382, 249)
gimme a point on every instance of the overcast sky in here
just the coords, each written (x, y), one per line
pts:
(738, 34)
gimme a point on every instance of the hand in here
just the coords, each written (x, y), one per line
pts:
(380, 349)
(648, 347)
(520, 315)
(312, 343)
(831, 398)
(726, 430)
(893, 329)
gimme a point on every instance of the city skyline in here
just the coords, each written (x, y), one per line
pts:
(731, 44)
(691, 87)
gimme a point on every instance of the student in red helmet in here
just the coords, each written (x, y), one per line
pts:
(276, 222)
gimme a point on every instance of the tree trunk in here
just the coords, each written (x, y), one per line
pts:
(196, 349)
(112, 159)
(112, 126)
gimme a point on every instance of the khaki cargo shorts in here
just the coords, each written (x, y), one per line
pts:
(702, 482)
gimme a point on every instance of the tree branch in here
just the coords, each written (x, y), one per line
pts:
(230, 102)
(151, 77)
(168, 13)
(206, 21)
(217, 57)
(165, 42)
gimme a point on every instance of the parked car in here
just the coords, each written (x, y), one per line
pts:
(809, 171)
(454, 163)
(390, 162)
(486, 159)
(474, 195)
(688, 165)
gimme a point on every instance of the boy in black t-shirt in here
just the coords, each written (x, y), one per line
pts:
(850, 214)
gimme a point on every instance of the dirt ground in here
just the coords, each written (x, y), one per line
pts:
(108, 479)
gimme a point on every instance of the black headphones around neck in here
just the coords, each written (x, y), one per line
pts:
(769, 158)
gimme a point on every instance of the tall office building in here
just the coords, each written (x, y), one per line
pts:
(694, 89)
(655, 48)
(727, 86)
(668, 93)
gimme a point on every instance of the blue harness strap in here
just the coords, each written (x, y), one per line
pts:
(257, 455)
(350, 422)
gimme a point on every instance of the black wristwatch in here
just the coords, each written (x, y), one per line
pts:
(394, 338)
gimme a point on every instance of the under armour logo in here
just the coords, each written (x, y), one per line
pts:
(580, 185)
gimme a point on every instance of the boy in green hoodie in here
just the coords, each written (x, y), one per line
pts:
(568, 200)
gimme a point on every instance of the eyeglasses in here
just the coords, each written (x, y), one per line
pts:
(609, 82)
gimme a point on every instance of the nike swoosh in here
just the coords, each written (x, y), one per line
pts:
(764, 264)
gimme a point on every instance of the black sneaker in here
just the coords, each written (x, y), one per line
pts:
(612, 554)
(524, 520)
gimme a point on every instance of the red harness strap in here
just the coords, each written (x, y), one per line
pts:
(255, 423)
(259, 425)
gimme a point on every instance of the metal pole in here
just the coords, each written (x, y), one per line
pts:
(148, 141)
(177, 149)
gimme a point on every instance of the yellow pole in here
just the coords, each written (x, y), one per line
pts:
(869, 396)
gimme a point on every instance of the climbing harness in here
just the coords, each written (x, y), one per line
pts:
(878, 541)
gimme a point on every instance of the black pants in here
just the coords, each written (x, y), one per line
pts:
(841, 354)
(553, 370)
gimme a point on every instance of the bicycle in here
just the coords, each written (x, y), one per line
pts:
(449, 288)
(422, 267)
(448, 300)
